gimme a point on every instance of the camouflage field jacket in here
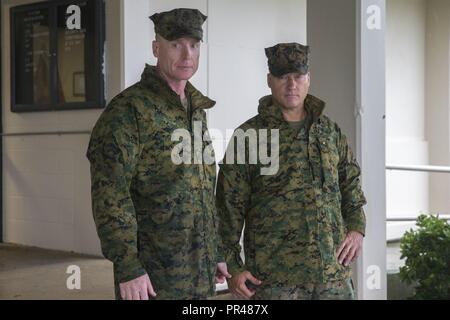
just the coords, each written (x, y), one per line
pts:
(294, 219)
(152, 215)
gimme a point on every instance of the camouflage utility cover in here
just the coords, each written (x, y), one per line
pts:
(179, 23)
(287, 58)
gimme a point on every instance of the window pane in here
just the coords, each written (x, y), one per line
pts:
(72, 48)
(32, 57)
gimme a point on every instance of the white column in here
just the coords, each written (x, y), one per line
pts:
(137, 35)
(371, 268)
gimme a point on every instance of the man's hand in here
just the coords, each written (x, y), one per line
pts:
(238, 287)
(222, 273)
(138, 289)
(350, 249)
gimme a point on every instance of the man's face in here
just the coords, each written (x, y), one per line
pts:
(178, 59)
(289, 90)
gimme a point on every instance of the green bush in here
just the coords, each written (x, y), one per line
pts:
(427, 254)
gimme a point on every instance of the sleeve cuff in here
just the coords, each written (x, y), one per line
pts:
(356, 221)
(127, 272)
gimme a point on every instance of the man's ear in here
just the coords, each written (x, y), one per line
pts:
(309, 79)
(155, 48)
(269, 80)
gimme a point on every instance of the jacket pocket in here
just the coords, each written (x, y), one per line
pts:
(161, 217)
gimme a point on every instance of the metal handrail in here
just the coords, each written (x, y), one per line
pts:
(46, 133)
(409, 219)
(413, 219)
(438, 169)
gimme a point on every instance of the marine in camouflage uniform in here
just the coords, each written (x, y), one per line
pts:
(297, 218)
(152, 216)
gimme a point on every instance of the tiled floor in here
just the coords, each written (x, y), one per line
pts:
(37, 274)
(31, 273)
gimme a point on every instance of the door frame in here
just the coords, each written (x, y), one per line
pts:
(1, 127)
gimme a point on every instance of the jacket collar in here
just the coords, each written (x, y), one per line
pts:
(271, 112)
(151, 79)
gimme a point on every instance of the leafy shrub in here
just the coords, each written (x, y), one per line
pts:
(427, 254)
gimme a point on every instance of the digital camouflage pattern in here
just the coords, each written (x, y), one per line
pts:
(179, 23)
(296, 219)
(151, 215)
(287, 58)
(333, 290)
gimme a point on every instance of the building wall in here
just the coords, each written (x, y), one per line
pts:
(46, 184)
(418, 102)
(333, 63)
(46, 179)
(348, 72)
(437, 116)
(406, 192)
(237, 66)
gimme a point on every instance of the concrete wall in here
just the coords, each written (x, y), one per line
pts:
(46, 182)
(437, 114)
(333, 63)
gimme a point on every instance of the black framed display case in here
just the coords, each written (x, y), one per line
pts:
(57, 55)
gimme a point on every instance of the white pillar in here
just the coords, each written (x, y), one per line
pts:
(371, 268)
(137, 35)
